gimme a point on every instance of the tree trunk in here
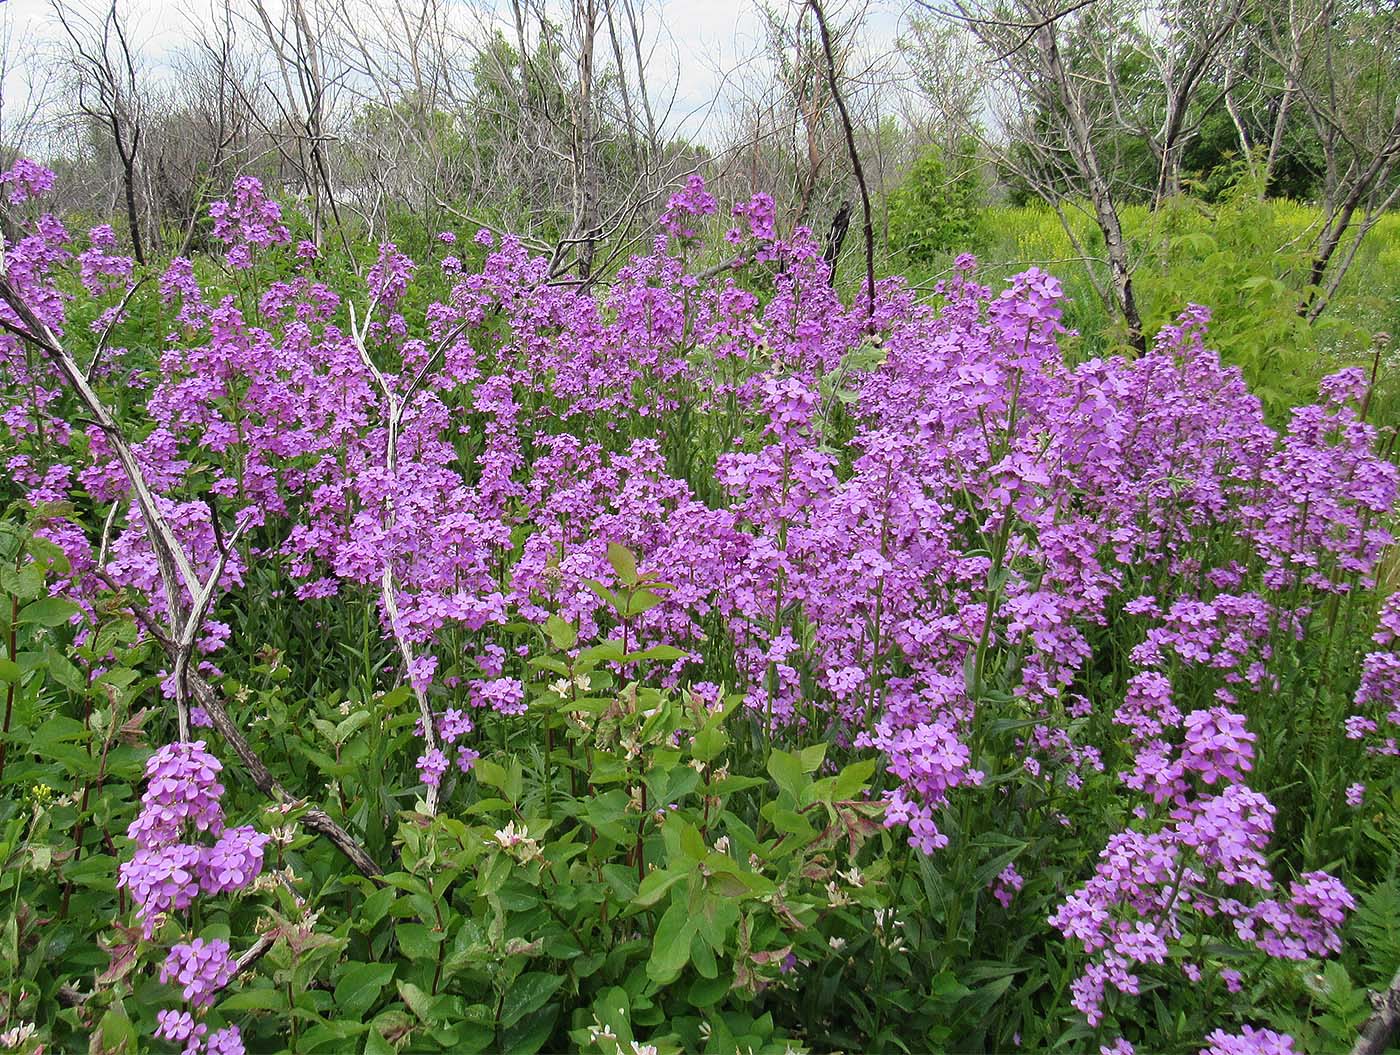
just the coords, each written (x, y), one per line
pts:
(1082, 148)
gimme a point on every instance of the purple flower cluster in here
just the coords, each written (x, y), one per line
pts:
(26, 180)
(1377, 698)
(1204, 872)
(199, 968)
(997, 514)
(1249, 1041)
(165, 874)
(183, 796)
(249, 221)
(685, 207)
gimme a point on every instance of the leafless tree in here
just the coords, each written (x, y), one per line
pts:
(105, 79)
(1347, 68)
(1057, 122)
(293, 33)
(1177, 44)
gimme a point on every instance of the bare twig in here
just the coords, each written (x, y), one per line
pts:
(388, 587)
(855, 164)
(1378, 1030)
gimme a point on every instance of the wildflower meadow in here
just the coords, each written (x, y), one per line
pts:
(442, 655)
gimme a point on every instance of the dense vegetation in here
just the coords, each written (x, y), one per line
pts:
(463, 658)
(1241, 255)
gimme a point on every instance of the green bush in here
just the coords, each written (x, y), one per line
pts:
(935, 209)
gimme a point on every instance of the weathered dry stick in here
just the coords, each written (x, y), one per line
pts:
(1384, 1022)
(393, 413)
(869, 228)
(184, 645)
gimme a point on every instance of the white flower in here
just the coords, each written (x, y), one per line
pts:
(598, 1031)
(835, 896)
(722, 844)
(518, 843)
(643, 1049)
(13, 1038)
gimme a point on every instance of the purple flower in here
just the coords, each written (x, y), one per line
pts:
(227, 1041)
(1249, 1041)
(27, 180)
(161, 880)
(504, 695)
(233, 862)
(179, 1026)
(431, 766)
(200, 968)
(181, 791)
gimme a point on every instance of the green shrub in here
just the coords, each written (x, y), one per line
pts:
(935, 209)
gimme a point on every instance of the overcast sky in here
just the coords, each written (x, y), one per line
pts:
(701, 48)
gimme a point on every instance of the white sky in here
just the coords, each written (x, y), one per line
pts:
(700, 47)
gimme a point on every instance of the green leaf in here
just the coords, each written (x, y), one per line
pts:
(641, 601)
(670, 948)
(708, 743)
(25, 584)
(624, 563)
(490, 773)
(419, 1002)
(359, 987)
(530, 992)
(254, 1000)
(375, 1044)
(350, 726)
(47, 611)
(667, 653)
(654, 887)
(561, 633)
(9, 671)
(373, 908)
(607, 651)
(63, 672)
(851, 779)
(417, 942)
(604, 594)
(812, 757)
(787, 769)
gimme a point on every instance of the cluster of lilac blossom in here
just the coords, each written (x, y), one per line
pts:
(1377, 721)
(997, 511)
(166, 875)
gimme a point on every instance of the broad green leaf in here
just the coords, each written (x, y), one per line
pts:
(623, 562)
(670, 949)
(562, 634)
(530, 992)
(47, 611)
(359, 987)
(787, 769)
(654, 887)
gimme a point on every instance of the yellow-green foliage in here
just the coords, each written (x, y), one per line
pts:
(934, 210)
(1245, 259)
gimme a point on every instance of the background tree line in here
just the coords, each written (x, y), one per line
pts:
(553, 120)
